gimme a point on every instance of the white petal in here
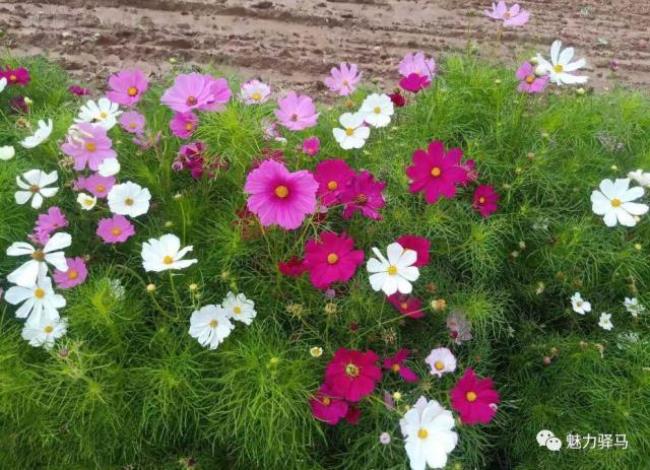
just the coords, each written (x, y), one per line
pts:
(20, 249)
(377, 280)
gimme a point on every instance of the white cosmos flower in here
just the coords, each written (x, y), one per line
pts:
(428, 434)
(39, 136)
(239, 308)
(605, 321)
(7, 152)
(129, 199)
(210, 325)
(37, 301)
(580, 305)
(354, 133)
(33, 185)
(615, 203)
(165, 253)
(633, 306)
(44, 331)
(103, 112)
(441, 361)
(377, 110)
(394, 274)
(641, 177)
(109, 167)
(86, 201)
(560, 67)
(255, 92)
(3, 84)
(29, 272)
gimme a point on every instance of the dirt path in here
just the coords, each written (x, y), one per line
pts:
(294, 42)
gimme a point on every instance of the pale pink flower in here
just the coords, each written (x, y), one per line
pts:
(511, 17)
(296, 112)
(344, 79)
(417, 63)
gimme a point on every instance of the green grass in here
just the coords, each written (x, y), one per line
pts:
(129, 386)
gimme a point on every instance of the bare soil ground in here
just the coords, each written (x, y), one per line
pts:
(293, 43)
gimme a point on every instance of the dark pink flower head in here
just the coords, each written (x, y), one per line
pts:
(485, 200)
(192, 91)
(311, 146)
(127, 87)
(191, 157)
(472, 173)
(331, 259)
(326, 407)
(183, 125)
(132, 122)
(74, 276)
(294, 267)
(407, 305)
(352, 375)
(397, 365)
(19, 104)
(398, 99)
(333, 176)
(116, 229)
(17, 76)
(529, 82)
(436, 172)
(474, 399)
(363, 194)
(48, 223)
(78, 90)
(296, 112)
(89, 145)
(280, 197)
(99, 186)
(414, 82)
(420, 245)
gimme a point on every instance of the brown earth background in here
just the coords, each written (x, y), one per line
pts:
(293, 44)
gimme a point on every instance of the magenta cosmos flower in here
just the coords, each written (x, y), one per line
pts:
(280, 197)
(333, 177)
(311, 146)
(344, 79)
(436, 172)
(78, 90)
(417, 63)
(46, 224)
(397, 365)
(74, 276)
(183, 125)
(89, 145)
(99, 186)
(529, 81)
(17, 76)
(363, 194)
(474, 399)
(331, 259)
(407, 305)
(415, 83)
(127, 87)
(418, 244)
(352, 375)
(326, 407)
(192, 91)
(296, 112)
(132, 122)
(116, 229)
(511, 17)
(485, 200)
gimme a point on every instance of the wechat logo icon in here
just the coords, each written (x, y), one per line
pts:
(547, 438)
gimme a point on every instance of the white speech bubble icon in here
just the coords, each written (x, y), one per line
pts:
(553, 444)
(543, 436)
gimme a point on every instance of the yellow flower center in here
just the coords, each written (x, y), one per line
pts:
(395, 367)
(38, 255)
(481, 200)
(349, 131)
(327, 401)
(39, 293)
(213, 323)
(423, 433)
(404, 305)
(282, 191)
(471, 396)
(12, 78)
(72, 274)
(558, 68)
(439, 365)
(103, 115)
(530, 79)
(116, 231)
(90, 146)
(100, 188)
(34, 188)
(189, 126)
(48, 329)
(351, 370)
(392, 270)
(435, 171)
(132, 91)
(332, 258)
(168, 260)
(237, 310)
(129, 201)
(377, 110)
(88, 202)
(256, 96)
(332, 185)
(616, 202)
(133, 125)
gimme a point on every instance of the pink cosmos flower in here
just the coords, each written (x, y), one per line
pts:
(417, 63)
(192, 91)
(294, 267)
(420, 245)
(127, 87)
(363, 194)
(74, 276)
(485, 200)
(99, 186)
(183, 125)
(255, 92)
(311, 146)
(132, 122)
(78, 90)
(280, 197)
(515, 16)
(46, 224)
(328, 408)
(296, 112)
(116, 229)
(331, 259)
(352, 374)
(415, 83)
(436, 172)
(17, 76)
(89, 145)
(333, 176)
(529, 81)
(474, 399)
(397, 364)
(407, 305)
(472, 173)
(344, 79)
(191, 157)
